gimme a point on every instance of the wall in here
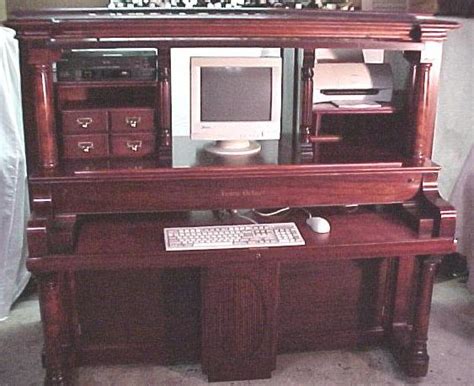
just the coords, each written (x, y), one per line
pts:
(423, 6)
(455, 119)
(420, 6)
(384, 5)
(3, 12)
(13, 5)
(456, 7)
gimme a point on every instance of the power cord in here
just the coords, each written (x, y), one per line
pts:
(270, 214)
(236, 212)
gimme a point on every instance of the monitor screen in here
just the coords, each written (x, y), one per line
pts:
(236, 94)
(235, 98)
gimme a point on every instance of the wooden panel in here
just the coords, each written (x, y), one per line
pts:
(133, 315)
(239, 321)
(342, 304)
(261, 192)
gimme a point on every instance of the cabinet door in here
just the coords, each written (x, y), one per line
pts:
(138, 315)
(239, 321)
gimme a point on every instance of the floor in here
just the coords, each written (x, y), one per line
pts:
(451, 348)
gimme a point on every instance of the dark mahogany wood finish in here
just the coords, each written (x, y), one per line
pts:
(109, 291)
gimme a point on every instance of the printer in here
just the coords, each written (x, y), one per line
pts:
(352, 82)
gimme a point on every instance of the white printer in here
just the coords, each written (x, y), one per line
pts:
(352, 82)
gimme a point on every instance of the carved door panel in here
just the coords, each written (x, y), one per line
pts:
(239, 321)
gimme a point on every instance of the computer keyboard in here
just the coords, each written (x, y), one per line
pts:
(232, 236)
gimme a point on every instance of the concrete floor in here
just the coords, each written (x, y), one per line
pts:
(451, 347)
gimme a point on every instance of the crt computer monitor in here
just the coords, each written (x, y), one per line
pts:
(235, 101)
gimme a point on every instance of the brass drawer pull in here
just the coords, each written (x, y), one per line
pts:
(84, 122)
(133, 121)
(86, 147)
(134, 145)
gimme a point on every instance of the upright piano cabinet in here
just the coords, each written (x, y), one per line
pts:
(106, 175)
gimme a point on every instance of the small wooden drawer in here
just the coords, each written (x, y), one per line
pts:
(133, 145)
(132, 120)
(85, 121)
(86, 146)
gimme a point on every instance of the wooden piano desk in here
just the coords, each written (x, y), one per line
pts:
(103, 188)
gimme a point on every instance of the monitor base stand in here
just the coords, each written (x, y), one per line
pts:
(236, 147)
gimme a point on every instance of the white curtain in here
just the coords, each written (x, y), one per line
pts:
(13, 185)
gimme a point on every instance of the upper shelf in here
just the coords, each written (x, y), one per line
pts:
(106, 84)
(282, 27)
(331, 109)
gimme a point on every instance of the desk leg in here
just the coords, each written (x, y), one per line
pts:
(239, 321)
(417, 355)
(404, 271)
(53, 318)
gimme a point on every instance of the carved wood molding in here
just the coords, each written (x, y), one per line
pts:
(442, 211)
(265, 24)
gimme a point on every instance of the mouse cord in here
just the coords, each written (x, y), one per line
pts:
(307, 212)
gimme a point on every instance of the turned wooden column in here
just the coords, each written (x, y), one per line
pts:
(44, 112)
(306, 123)
(53, 318)
(420, 103)
(417, 358)
(425, 68)
(164, 104)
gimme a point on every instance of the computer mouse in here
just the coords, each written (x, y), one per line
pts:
(319, 224)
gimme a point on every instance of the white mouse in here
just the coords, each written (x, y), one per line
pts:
(319, 224)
